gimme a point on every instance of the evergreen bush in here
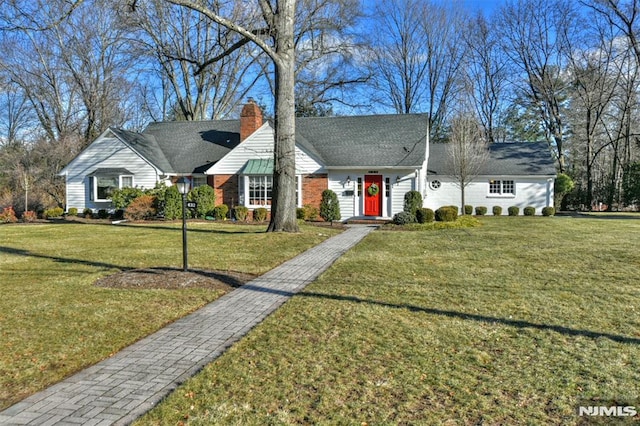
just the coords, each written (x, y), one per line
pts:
(513, 210)
(310, 212)
(447, 214)
(205, 197)
(548, 211)
(481, 211)
(425, 215)
(220, 212)
(241, 213)
(403, 218)
(260, 214)
(529, 211)
(468, 210)
(87, 213)
(73, 211)
(172, 203)
(329, 207)
(54, 212)
(121, 198)
(412, 202)
(497, 210)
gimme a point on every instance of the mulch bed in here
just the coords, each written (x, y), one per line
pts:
(175, 279)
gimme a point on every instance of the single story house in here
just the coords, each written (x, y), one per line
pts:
(345, 154)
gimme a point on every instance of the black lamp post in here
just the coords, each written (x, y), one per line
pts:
(183, 188)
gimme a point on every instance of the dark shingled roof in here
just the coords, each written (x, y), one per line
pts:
(355, 141)
(365, 141)
(515, 159)
(184, 146)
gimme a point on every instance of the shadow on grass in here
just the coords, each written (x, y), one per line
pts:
(454, 314)
(260, 227)
(228, 279)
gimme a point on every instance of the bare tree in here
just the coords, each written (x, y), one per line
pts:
(486, 71)
(595, 76)
(190, 53)
(417, 56)
(467, 151)
(273, 34)
(532, 34)
(326, 51)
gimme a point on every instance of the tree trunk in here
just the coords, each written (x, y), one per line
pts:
(283, 207)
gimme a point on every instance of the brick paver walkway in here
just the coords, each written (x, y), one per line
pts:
(120, 389)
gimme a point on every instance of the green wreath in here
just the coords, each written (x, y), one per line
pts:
(373, 189)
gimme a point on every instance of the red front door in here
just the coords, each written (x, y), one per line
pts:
(372, 197)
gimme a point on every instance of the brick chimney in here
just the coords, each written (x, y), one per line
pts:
(250, 119)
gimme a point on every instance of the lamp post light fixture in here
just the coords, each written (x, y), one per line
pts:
(183, 188)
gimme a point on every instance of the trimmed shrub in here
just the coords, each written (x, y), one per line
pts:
(205, 196)
(548, 211)
(141, 208)
(87, 213)
(310, 212)
(513, 210)
(468, 210)
(425, 215)
(497, 210)
(72, 211)
(481, 211)
(529, 211)
(412, 202)
(300, 213)
(29, 216)
(329, 207)
(403, 218)
(172, 203)
(220, 212)
(260, 214)
(103, 214)
(447, 214)
(54, 212)
(121, 198)
(241, 213)
(8, 215)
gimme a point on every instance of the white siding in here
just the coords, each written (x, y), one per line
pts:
(104, 152)
(529, 191)
(260, 146)
(351, 206)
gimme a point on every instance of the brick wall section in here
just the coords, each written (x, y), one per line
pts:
(312, 187)
(226, 188)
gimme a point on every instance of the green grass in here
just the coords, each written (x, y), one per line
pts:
(54, 321)
(512, 322)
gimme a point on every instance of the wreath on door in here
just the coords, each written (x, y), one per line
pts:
(373, 189)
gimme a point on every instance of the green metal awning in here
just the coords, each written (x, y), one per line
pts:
(108, 172)
(258, 167)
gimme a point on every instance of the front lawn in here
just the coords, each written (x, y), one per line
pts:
(517, 321)
(54, 321)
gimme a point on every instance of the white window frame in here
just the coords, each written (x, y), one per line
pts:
(501, 185)
(247, 189)
(120, 184)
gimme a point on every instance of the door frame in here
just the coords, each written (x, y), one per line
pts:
(368, 180)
